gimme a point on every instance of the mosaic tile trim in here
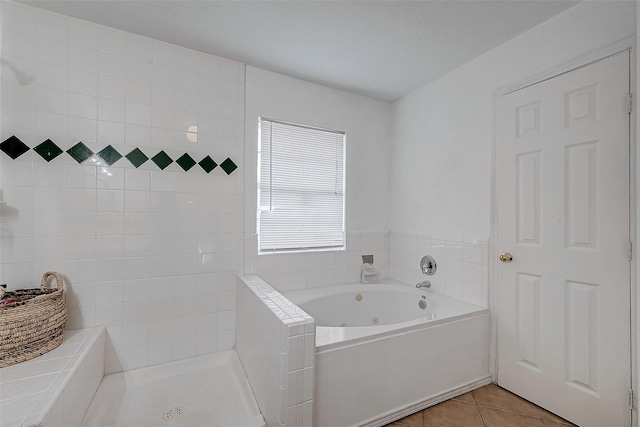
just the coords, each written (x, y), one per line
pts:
(80, 152)
(109, 154)
(228, 166)
(207, 164)
(13, 147)
(49, 150)
(137, 157)
(162, 160)
(186, 162)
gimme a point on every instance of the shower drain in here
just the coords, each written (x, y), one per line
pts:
(173, 413)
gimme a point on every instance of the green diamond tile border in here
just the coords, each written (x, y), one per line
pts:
(13, 147)
(110, 155)
(80, 152)
(48, 150)
(162, 160)
(186, 162)
(207, 164)
(137, 157)
(228, 166)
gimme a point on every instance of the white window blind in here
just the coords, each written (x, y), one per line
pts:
(300, 187)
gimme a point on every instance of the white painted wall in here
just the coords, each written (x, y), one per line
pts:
(441, 142)
(442, 133)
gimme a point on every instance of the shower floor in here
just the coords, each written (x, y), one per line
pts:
(209, 390)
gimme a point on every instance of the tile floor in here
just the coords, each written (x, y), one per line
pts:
(489, 406)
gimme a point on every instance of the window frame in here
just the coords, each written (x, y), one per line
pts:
(260, 208)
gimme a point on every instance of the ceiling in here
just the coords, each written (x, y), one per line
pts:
(381, 49)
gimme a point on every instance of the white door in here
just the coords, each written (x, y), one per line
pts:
(562, 182)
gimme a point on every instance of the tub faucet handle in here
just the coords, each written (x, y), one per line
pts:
(425, 284)
(428, 265)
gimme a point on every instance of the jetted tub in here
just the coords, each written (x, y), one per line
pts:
(378, 349)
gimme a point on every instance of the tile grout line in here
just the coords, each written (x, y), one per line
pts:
(511, 411)
(538, 414)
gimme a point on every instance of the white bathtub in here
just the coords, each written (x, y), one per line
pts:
(396, 358)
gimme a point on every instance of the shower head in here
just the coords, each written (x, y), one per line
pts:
(23, 77)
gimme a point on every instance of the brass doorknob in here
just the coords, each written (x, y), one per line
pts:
(505, 257)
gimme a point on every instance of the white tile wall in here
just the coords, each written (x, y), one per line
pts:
(307, 270)
(462, 273)
(55, 389)
(151, 254)
(276, 344)
(462, 264)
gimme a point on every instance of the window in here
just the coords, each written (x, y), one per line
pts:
(300, 187)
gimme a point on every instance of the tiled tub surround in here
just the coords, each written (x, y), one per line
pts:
(55, 389)
(462, 264)
(386, 372)
(323, 268)
(462, 273)
(151, 254)
(276, 345)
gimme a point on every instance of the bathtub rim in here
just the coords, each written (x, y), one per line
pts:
(405, 328)
(305, 296)
(361, 334)
(344, 288)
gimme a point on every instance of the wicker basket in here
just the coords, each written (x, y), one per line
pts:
(31, 321)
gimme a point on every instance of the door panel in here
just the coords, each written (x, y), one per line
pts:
(562, 182)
